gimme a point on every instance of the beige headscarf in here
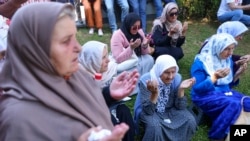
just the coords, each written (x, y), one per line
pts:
(29, 76)
(163, 20)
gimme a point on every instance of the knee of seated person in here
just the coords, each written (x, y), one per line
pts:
(239, 12)
(233, 104)
(156, 127)
(192, 122)
(153, 124)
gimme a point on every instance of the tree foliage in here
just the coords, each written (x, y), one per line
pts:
(198, 9)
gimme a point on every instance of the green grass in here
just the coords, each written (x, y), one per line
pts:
(197, 33)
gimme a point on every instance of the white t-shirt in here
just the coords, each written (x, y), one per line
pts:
(224, 7)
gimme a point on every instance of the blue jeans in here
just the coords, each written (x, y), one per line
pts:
(139, 7)
(158, 7)
(235, 15)
(111, 13)
(167, 1)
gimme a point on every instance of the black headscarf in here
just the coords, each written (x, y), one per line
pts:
(128, 22)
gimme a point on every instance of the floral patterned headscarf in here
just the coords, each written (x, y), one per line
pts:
(210, 55)
(234, 28)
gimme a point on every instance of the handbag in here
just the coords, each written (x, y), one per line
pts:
(243, 119)
(127, 64)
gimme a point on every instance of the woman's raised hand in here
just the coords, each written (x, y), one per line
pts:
(152, 86)
(187, 83)
(184, 28)
(124, 84)
(135, 44)
(221, 73)
(242, 69)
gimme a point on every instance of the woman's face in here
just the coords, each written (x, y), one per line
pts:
(64, 47)
(168, 75)
(135, 27)
(105, 61)
(172, 15)
(227, 52)
(239, 37)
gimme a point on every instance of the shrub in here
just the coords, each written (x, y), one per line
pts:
(198, 9)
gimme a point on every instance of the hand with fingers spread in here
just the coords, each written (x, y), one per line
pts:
(123, 84)
(242, 60)
(135, 44)
(242, 69)
(187, 83)
(152, 86)
(146, 41)
(246, 57)
(174, 29)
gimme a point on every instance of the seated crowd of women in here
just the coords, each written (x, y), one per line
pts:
(49, 82)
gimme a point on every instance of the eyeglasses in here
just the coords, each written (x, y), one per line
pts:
(135, 27)
(172, 14)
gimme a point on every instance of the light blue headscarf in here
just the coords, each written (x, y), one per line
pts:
(234, 28)
(210, 55)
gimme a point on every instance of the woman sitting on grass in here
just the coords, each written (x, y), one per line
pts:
(168, 34)
(130, 42)
(213, 70)
(237, 30)
(161, 104)
(94, 59)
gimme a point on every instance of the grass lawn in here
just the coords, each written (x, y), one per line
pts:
(197, 33)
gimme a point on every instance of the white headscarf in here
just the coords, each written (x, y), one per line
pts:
(210, 55)
(234, 28)
(4, 27)
(162, 63)
(91, 59)
(3, 33)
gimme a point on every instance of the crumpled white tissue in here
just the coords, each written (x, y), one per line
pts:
(95, 136)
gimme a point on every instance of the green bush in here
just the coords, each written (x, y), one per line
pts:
(198, 9)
